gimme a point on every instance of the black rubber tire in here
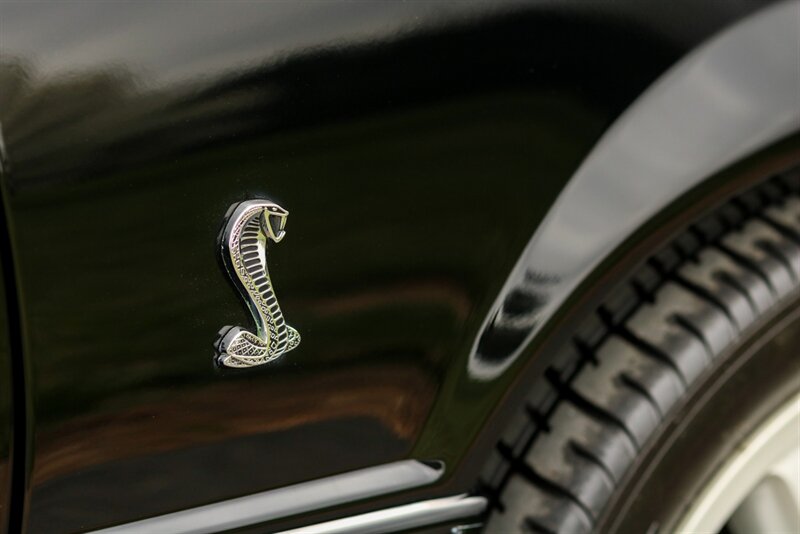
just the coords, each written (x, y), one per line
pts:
(692, 305)
(710, 426)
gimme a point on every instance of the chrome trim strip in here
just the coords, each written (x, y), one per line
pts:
(418, 514)
(291, 500)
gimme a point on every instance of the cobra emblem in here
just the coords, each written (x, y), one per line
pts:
(251, 226)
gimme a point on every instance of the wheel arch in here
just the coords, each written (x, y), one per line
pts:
(721, 120)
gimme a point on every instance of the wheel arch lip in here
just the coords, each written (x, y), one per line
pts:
(732, 97)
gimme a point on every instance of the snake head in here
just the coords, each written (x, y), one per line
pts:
(273, 221)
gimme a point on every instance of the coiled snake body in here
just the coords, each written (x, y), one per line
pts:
(244, 249)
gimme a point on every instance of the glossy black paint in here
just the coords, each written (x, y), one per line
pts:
(7, 405)
(6, 411)
(416, 146)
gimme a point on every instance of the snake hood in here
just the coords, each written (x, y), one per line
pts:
(273, 222)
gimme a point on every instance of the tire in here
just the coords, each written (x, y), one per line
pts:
(662, 338)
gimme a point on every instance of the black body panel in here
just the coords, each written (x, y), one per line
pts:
(417, 148)
(7, 405)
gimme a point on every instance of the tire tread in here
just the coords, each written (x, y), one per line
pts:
(692, 302)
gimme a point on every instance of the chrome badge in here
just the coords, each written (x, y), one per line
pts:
(251, 226)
